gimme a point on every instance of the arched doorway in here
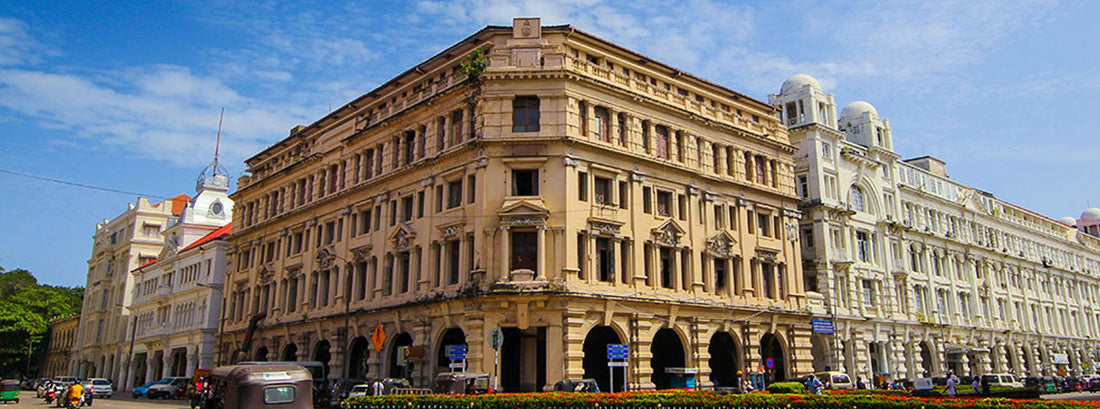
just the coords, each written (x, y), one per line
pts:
(724, 362)
(357, 358)
(453, 336)
(1027, 366)
(771, 347)
(321, 354)
(261, 355)
(397, 371)
(1010, 362)
(668, 352)
(926, 359)
(290, 353)
(595, 358)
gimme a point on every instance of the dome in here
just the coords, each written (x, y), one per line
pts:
(1068, 221)
(1092, 215)
(858, 108)
(796, 82)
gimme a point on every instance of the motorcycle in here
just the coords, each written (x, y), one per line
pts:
(49, 393)
(74, 402)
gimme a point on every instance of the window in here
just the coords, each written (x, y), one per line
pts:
(456, 128)
(719, 218)
(762, 225)
(759, 170)
(622, 129)
(803, 187)
(471, 187)
(454, 194)
(452, 261)
(410, 145)
(525, 114)
(605, 260)
(681, 202)
(679, 146)
(406, 208)
(868, 293)
(647, 205)
(582, 186)
(438, 198)
(808, 237)
(664, 203)
(525, 182)
(582, 110)
(603, 191)
(419, 204)
(624, 194)
(857, 199)
(440, 133)
(602, 124)
(826, 151)
(393, 214)
(645, 136)
(863, 249)
(662, 142)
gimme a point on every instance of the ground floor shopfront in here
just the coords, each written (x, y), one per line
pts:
(884, 351)
(546, 338)
(157, 357)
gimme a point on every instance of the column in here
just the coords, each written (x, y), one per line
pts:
(897, 347)
(128, 380)
(192, 361)
(505, 250)
(541, 262)
(616, 261)
(150, 361)
(168, 361)
(723, 161)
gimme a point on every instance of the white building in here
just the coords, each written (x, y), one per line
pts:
(920, 275)
(120, 245)
(177, 297)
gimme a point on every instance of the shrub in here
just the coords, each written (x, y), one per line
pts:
(787, 387)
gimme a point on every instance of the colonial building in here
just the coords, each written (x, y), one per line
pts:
(921, 275)
(129, 240)
(59, 350)
(539, 180)
(177, 297)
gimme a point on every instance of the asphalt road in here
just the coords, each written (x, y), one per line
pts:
(119, 401)
(1084, 396)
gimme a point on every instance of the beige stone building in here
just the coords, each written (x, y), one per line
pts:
(574, 194)
(121, 244)
(59, 351)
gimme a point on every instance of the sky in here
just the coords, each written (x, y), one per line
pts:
(126, 95)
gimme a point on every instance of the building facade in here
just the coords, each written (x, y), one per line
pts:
(59, 351)
(921, 275)
(178, 297)
(120, 245)
(571, 193)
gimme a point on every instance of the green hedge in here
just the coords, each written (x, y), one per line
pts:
(787, 387)
(706, 399)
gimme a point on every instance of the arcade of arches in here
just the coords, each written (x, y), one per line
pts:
(552, 339)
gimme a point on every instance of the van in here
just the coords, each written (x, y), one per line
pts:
(1004, 380)
(835, 380)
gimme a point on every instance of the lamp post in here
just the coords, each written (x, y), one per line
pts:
(221, 318)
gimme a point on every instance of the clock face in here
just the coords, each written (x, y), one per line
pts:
(216, 208)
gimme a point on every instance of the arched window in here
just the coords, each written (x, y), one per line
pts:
(857, 199)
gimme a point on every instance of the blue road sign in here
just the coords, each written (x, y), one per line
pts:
(770, 363)
(822, 326)
(618, 351)
(456, 352)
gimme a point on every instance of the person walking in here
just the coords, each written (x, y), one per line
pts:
(814, 385)
(952, 382)
(976, 385)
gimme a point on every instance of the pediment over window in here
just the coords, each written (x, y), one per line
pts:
(721, 244)
(402, 236)
(668, 233)
(523, 212)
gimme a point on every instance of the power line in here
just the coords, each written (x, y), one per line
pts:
(81, 185)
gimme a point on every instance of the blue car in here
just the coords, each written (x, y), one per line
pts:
(139, 392)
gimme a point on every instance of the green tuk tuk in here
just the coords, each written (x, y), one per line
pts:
(9, 391)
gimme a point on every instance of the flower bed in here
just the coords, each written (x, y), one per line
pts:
(707, 399)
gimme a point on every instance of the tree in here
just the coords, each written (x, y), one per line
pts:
(26, 309)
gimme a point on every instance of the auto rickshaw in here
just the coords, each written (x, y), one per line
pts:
(460, 383)
(282, 386)
(9, 391)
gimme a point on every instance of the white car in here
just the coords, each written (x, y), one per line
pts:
(359, 390)
(101, 387)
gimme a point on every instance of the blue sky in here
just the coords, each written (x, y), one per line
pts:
(126, 95)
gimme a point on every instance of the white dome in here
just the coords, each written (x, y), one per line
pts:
(1091, 215)
(796, 82)
(1068, 220)
(858, 108)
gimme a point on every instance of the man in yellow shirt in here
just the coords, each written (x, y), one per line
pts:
(76, 391)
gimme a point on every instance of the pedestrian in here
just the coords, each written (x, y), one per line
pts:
(952, 382)
(814, 385)
(377, 388)
(859, 383)
(975, 385)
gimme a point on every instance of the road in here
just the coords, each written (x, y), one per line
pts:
(1085, 396)
(119, 401)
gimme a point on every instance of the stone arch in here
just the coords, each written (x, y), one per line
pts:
(667, 350)
(290, 353)
(725, 360)
(322, 353)
(261, 354)
(822, 351)
(447, 337)
(358, 355)
(595, 357)
(928, 358)
(772, 345)
(396, 371)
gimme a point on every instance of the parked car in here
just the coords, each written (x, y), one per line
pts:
(139, 392)
(101, 387)
(359, 390)
(835, 380)
(167, 388)
(460, 383)
(1001, 380)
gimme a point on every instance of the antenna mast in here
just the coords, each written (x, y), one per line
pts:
(218, 143)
